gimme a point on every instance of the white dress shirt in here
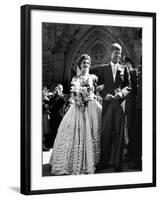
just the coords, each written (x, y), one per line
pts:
(114, 69)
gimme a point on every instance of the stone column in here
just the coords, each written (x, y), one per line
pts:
(58, 71)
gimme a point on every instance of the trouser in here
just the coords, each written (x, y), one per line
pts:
(112, 131)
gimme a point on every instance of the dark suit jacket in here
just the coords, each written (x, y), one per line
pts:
(122, 82)
(131, 97)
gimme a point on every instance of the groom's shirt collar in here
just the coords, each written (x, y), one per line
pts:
(112, 64)
(114, 69)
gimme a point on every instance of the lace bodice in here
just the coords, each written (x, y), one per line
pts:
(90, 80)
(82, 89)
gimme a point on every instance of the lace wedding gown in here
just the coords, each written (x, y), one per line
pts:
(76, 149)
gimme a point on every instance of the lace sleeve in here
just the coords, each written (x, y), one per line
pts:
(95, 80)
(74, 81)
(72, 90)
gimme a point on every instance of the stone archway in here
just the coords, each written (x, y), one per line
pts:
(96, 42)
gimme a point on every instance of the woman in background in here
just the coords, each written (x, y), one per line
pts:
(46, 118)
(57, 101)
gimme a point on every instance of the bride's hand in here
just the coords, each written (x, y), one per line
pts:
(109, 97)
(100, 88)
(98, 97)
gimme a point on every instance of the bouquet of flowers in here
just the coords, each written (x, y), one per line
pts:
(81, 91)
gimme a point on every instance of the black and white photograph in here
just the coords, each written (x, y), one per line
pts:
(79, 100)
(88, 108)
(91, 99)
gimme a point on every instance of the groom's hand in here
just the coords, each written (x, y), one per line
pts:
(118, 96)
(108, 97)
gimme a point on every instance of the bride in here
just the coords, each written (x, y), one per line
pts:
(76, 149)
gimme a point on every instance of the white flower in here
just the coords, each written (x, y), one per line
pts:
(121, 70)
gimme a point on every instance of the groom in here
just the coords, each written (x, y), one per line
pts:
(116, 84)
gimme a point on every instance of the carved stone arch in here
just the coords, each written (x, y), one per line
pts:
(96, 35)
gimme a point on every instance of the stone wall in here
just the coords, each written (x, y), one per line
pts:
(64, 43)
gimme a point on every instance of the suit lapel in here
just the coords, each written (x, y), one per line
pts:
(109, 74)
(117, 77)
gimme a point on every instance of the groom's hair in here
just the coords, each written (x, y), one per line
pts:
(116, 46)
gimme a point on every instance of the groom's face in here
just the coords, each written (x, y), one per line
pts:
(116, 56)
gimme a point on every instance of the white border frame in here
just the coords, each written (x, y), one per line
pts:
(44, 183)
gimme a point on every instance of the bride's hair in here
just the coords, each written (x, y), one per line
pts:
(83, 57)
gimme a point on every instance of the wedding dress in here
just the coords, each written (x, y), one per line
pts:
(76, 149)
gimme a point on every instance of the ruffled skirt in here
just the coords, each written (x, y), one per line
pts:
(76, 148)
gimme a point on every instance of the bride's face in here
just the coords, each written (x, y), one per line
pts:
(85, 65)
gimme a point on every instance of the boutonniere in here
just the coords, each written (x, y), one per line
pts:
(120, 70)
